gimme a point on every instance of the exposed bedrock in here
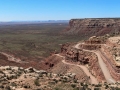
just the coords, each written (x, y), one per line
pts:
(85, 58)
(93, 26)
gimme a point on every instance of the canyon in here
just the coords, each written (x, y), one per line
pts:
(102, 52)
(93, 62)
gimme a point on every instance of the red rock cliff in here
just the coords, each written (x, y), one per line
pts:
(93, 26)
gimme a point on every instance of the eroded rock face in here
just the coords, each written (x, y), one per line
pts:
(93, 26)
(84, 57)
(111, 51)
(94, 43)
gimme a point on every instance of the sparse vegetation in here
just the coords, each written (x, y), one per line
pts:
(35, 40)
(39, 42)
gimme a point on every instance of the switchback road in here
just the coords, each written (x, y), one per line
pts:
(103, 67)
(93, 79)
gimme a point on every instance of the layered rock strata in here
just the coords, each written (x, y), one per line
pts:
(84, 58)
(93, 26)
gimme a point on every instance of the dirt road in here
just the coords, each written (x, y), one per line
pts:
(12, 58)
(103, 67)
(93, 79)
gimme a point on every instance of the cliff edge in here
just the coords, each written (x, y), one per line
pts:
(93, 26)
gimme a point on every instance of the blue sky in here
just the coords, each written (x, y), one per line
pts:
(24, 10)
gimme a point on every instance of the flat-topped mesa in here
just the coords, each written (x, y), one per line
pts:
(93, 26)
(96, 22)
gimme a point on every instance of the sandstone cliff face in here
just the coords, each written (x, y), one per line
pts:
(95, 26)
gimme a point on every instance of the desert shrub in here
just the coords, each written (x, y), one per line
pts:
(36, 82)
(106, 87)
(11, 77)
(86, 85)
(52, 82)
(39, 89)
(97, 89)
(50, 75)
(55, 80)
(65, 79)
(8, 68)
(57, 88)
(73, 85)
(98, 85)
(77, 88)
(81, 84)
(93, 84)
(40, 75)
(25, 76)
(19, 73)
(25, 86)
(75, 81)
(1, 72)
(83, 88)
(88, 89)
(13, 84)
(117, 88)
(8, 88)
(1, 86)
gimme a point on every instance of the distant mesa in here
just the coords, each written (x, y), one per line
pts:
(93, 26)
(33, 22)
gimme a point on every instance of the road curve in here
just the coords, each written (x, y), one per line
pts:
(103, 67)
(93, 79)
(12, 58)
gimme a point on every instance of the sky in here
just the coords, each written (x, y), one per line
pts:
(32, 10)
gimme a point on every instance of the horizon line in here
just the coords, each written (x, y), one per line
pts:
(33, 20)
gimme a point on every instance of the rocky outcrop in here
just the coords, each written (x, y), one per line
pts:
(85, 58)
(94, 43)
(18, 78)
(93, 26)
(110, 53)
